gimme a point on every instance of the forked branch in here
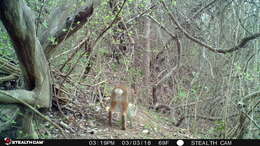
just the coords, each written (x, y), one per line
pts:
(240, 45)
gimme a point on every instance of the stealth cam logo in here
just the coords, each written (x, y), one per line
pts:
(8, 141)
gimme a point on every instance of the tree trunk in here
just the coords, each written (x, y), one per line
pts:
(19, 22)
(147, 54)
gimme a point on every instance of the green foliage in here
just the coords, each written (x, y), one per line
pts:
(114, 67)
(107, 89)
(46, 136)
(193, 94)
(215, 132)
(6, 48)
(53, 40)
(249, 76)
(174, 3)
(103, 51)
(37, 4)
(135, 73)
(8, 118)
(219, 128)
(45, 24)
(8, 53)
(182, 94)
(108, 18)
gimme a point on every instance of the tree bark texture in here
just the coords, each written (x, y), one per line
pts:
(19, 22)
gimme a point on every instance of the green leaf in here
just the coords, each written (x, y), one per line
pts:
(45, 24)
(174, 3)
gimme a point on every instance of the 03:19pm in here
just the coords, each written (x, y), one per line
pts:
(101, 142)
(136, 142)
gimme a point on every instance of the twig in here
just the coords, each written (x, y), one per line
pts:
(167, 75)
(94, 84)
(91, 47)
(39, 16)
(205, 7)
(206, 117)
(252, 95)
(242, 43)
(39, 114)
(77, 48)
(98, 38)
(8, 78)
(161, 26)
(80, 44)
(107, 28)
(141, 14)
(247, 116)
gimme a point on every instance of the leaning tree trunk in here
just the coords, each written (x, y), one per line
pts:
(19, 22)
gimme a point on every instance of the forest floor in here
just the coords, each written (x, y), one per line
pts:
(147, 124)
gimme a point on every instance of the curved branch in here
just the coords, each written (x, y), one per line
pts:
(52, 37)
(162, 27)
(251, 95)
(178, 45)
(26, 98)
(10, 96)
(8, 78)
(242, 43)
(110, 26)
(18, 20)
(203, 8)
(8, 67)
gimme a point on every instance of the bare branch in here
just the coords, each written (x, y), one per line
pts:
(18, 20)
(8, 78)
(203, 8)
(161, 26)
(110, 26)
(26, 98)
(141, 14)
(72, 25)
(242, 43)
(7, 67)
(252, 95)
